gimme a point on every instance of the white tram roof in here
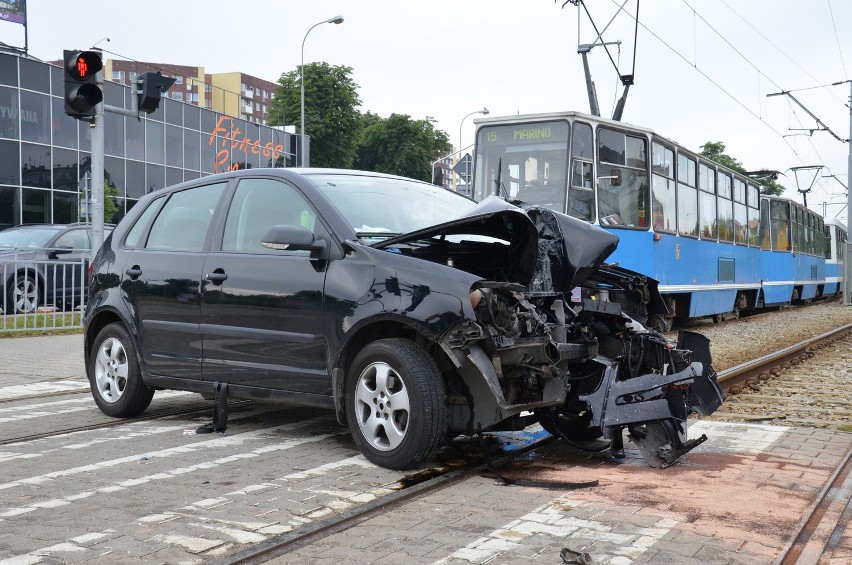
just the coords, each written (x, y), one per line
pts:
(835, 222)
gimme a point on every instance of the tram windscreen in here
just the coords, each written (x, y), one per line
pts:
(528, 162)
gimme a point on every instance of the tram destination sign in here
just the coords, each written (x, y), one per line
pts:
(537, 132)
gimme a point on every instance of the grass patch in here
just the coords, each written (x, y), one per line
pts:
(845, 427)
(41, 324)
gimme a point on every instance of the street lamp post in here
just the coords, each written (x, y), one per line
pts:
(334, 20)
(484, 112)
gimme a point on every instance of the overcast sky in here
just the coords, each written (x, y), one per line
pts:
(445, 58)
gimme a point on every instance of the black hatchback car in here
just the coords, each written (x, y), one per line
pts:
(44, 265)
(413, 312)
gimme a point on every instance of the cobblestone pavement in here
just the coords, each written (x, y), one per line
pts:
(151, 491)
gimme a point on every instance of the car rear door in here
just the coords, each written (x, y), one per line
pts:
(162, 277)
(262, 309)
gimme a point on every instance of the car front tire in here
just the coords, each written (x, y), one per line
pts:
(396, 404)
(23, 295)
(115, 376)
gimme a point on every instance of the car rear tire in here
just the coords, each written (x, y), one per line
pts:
(396, 404)
(115, 376)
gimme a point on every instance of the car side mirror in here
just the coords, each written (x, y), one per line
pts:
(291, 238)
(61, 249)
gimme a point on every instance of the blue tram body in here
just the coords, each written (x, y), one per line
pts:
(716, 245)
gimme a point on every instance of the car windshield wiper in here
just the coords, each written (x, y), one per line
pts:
(376, 234)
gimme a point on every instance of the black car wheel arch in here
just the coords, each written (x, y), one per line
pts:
(396, 404)
(115, 375)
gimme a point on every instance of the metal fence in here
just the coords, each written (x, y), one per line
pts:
(42, 294)
(847, 274)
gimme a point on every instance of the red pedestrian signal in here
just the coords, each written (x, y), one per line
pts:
(82, 67)
(82, 93)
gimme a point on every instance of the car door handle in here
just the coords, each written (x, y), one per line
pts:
(133, 272)
(216, 277)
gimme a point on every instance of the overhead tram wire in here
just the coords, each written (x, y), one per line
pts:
(705, 75)
(798, 66)
(775, 84)
(837, 39)
(720, 87)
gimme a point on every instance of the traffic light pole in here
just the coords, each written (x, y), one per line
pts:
(97, 192)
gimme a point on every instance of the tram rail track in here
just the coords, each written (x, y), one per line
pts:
(753, 373)
(426, 482)
(113, 423)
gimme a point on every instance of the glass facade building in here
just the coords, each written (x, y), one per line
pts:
(45, 155)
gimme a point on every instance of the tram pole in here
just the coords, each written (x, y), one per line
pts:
(847, 260)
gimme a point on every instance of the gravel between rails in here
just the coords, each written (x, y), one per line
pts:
(733, 342)
(816, 393)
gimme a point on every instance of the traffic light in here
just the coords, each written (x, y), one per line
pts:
(152, 86)
(82, 93)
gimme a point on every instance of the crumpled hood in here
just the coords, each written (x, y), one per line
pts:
(548, 251)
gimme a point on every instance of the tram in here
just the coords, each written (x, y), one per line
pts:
(716, 245)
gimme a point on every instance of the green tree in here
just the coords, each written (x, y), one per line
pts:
(715, 151)
(331, 114)
(400, 145)
(111, 194)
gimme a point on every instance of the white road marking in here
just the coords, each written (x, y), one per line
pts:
(218, 443)
(743, 438)
(553, 519)
(45, 387)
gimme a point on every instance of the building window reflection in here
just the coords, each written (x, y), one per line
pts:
(45, 154)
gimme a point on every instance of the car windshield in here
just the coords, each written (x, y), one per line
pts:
(27, 238)
(382, 207)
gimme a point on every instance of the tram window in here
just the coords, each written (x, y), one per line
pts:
(622, 180)
(611, 147)
(581, 200)
(687, 210)
(664, 203)
(740, 222)
(753, 196)
(528, 161)
(685, 170)
(583, 146)
(662, 160)
(725, 186)
(780, 223)
(706, 179)
(765, 235)
(798, 237)
(707, 202)
(687, 197)
(739, 191)
(707, 215)
(754, 226)
(726, 209)
(820, 241)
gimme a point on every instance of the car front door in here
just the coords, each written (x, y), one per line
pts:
(261, 308)
(162, 276)
(68, 262)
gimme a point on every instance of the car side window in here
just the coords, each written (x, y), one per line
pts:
(77, 239)
(258, 205)
(183, 221)
(135, 234)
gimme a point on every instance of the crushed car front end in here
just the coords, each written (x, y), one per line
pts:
(550, 330)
